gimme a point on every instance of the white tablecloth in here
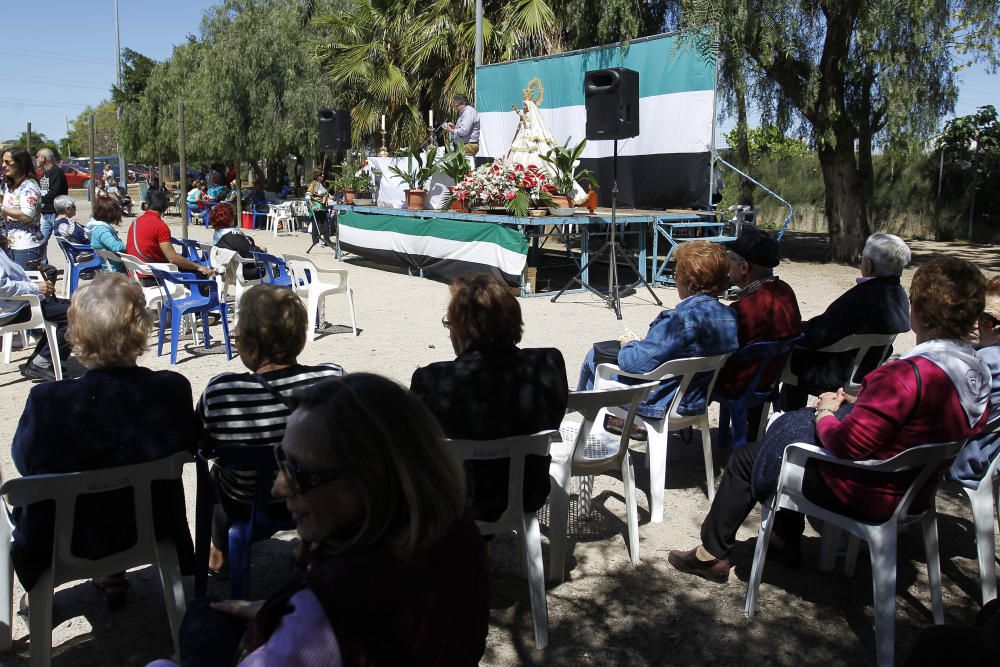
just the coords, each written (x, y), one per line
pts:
(391, 187)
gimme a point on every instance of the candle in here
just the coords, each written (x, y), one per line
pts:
(430, 117)
(383, 122)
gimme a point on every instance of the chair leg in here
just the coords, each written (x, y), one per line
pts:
(204, 330)
(559, 478)
(350, 302)
(830, 542)
(8, 344)
(706, 447)
(6, 593)
(631, 511)
(767, 510)
(50, 335)
(532, 541)
(163, 324)
(240, 549)
(656, 455)
(725, 437)
(173, 588)
(40, 620)
(175, 333)
(851, 557)
(883, 555)
(312, 303)
(983, 518)
(586, 494)
(224, 310)
(928, 526)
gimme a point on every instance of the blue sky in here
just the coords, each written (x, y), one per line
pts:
(53, 73)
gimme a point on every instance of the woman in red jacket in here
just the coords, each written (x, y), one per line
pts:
(937, 392)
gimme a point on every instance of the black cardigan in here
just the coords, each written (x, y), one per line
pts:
(109, 417)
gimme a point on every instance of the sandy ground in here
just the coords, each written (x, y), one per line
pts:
(608, 611)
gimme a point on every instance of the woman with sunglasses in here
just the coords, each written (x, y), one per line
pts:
(21, 210)
(392, 570)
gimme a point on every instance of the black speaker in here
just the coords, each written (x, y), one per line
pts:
(334, 129)
(612, 100)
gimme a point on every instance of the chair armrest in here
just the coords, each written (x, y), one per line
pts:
(33, 299)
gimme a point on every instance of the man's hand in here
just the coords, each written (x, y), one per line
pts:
(449, 126)
(626, 339)
(46, 288)
(206, 271)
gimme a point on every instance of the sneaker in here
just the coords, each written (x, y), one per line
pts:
(38, 369)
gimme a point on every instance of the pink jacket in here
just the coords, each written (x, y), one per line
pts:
(877, 428)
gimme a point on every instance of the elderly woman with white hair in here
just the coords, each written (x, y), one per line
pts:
(876, 305)
(117, 414)
(64, 225)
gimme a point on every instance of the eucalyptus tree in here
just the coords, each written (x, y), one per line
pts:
(856, 72)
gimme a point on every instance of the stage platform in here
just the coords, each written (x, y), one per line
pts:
(448, 244)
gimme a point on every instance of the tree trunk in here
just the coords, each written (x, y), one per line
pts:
(846, 206)
(239, 194)
(743, 143)
(866, 170)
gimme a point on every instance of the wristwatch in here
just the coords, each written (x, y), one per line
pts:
(820, 411)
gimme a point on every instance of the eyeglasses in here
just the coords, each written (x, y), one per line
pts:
(988, 321)
(444, 322)
(299, 480)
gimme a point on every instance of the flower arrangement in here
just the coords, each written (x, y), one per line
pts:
(502, 184)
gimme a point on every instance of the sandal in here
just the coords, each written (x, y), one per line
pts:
(114, 587)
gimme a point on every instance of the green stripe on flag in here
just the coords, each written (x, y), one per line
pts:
(666, 64)
(506, 238)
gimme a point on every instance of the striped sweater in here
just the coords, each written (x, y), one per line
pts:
(237, 409)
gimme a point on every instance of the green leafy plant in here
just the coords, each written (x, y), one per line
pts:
(351, 179)
(564, 161)
(455, 164)
(417, 172)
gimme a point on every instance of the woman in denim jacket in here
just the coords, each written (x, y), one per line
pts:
(699, 326)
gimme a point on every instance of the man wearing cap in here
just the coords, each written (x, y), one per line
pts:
(876, 305)
(766, 308)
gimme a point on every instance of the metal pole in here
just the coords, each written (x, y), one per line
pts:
(940, 174)
(28, 140)
(122, 170)
(69, 148)
(182, 195)
(479, 33)
(92, 174)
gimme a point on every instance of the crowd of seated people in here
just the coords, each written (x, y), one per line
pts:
(384, 513)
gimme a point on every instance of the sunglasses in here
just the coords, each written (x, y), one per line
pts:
(299, 480)
(989, 321)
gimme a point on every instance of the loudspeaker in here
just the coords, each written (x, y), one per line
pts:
(334, 129)
(612, 101)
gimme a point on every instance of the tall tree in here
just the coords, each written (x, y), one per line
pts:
(856, 72)
(105, 127)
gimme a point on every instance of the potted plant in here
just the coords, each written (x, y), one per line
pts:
(416, 175)
(456, 166)
(365, 187)
(348, 182)
(564, 161)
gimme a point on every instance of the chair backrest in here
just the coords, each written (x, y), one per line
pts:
(275, 271)
(765, 354)
(64, 489)
(515, 449)
(861, 343)
(683, 369)
(109, 255)
(302, 269)
(260, 460)
(589, 404)
(172, 286)
(72, 251)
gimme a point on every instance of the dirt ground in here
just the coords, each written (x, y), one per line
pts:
(608, 612)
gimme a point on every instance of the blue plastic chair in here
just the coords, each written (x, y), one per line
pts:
(194, 302)
(194, 252)
(242, 533)
(77, 263)
(734, 412)
(260, 210)
(273, 270)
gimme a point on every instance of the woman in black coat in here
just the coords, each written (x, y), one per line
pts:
(493, 389)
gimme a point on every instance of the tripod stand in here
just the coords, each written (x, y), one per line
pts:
(612, 248)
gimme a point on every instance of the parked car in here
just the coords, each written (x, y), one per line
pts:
(75, 177)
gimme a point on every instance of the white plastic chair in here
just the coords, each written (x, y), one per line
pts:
(586, 452)
(922, 461)
(280, 214)
(514, 517)
(64, 489)
(861, 343)
(658, 430)
(35, 321)
(308, 285)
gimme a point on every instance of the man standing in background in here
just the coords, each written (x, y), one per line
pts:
(466, 126)
(52, 184)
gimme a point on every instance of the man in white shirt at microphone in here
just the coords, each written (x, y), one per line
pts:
(466, 127)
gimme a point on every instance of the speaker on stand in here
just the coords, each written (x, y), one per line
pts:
(611, 97)
(334, 135)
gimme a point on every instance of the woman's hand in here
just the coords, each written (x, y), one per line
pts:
(244, 609)
(829, 401)
(847, 398)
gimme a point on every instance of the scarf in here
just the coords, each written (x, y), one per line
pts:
(968, 373)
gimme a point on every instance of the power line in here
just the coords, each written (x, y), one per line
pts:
(11, 102)
(46, 56)
(53, 82)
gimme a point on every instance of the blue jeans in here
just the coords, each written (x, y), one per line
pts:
(47, 229)
(587, 370)
(29, 258)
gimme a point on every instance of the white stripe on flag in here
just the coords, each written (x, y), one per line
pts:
(672, 123)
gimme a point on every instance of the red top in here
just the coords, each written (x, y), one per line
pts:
(877, 428)
(770, 312)
(145, 236)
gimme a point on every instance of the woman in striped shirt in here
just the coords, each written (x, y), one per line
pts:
(252, 408)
